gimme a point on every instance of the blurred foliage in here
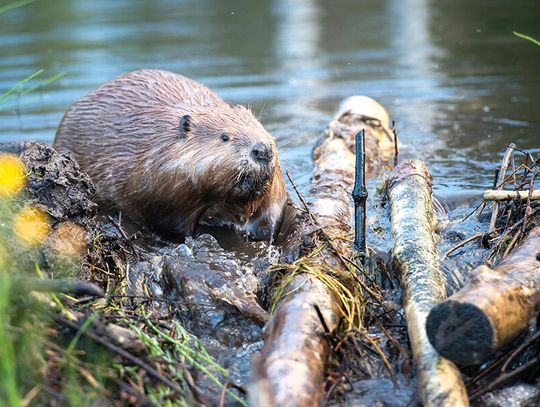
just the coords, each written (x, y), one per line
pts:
(526, 37)
(22, 317)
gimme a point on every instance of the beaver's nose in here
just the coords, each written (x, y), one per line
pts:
(262, 152)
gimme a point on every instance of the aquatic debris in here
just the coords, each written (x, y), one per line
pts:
(492, 309)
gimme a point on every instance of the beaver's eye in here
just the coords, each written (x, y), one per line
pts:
(225, 137)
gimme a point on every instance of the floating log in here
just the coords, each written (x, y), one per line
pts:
(290, 369)
(491, 309)
(413, 221)
(498, 195)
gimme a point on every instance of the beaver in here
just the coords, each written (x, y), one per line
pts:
(169, 153)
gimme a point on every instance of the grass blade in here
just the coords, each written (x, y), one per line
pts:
(526, 37)
(15, 4)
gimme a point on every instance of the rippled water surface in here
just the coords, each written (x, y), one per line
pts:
(457, 82)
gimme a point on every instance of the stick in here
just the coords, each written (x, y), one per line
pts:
(506, 377)
(500, 180)
(453, 249)
(396, 149)
(61, 286)
(360, 195)
(126, 355)
(495, 195)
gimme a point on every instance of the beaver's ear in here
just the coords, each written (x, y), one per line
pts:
(184, 125)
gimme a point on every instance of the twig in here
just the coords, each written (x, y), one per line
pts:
(504, 378)
(147, 298)
(360, 195)
(116, 349)
(62, 286)
(513, 242)
(223, 393)
(118, 227)
(501, 177)
(519, 349)
(382, 266)
(528, 205)
(372, 293)
(321, 317)
(380, 353)
(392, 340)
(463, 243)
(498, 185)
(134, 393)
(32, 393)
(396, 151)
(494, 195)
(194, 389)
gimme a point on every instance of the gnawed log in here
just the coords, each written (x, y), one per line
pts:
(498, 195)
(290, 369)
(413, 221)
(491, 309)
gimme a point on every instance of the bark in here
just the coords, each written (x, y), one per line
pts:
(491, 309)
(495, 195)
(413, 221)
(290, 369)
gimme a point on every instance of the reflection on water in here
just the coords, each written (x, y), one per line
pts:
(457, 82)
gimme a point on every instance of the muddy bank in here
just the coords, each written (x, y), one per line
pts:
(211, 292)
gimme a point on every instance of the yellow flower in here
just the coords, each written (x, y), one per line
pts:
(12, 175)
(31, 226)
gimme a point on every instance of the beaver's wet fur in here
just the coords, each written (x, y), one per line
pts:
(168, 152)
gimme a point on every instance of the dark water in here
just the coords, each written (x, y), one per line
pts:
(458, 83)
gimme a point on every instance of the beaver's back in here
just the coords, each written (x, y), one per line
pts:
(157, 88)
(107, 129)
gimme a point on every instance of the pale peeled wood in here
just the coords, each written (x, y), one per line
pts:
(492, 308)
(290, 370)
(498, 195)
(413, 221)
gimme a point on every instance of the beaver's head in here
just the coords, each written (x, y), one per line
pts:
(226, 153)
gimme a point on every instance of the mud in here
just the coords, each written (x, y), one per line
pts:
(216, 293)
(210, 290)
(55, 183)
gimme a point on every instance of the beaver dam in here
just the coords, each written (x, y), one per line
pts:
(98, 311)
(403, 267)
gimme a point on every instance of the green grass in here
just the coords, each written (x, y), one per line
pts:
(526, 37)
(13, 5)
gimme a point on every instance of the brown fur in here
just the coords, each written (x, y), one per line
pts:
(129, 137)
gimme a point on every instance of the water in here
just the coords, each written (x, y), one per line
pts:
(458, 83)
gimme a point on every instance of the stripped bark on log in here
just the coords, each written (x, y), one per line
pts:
(492, 309)
(413, 221)
(290, 370)
(495, 195)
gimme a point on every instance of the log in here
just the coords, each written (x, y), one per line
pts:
(415, 254)
(498, 195)
(290, 369)
(491, 309)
